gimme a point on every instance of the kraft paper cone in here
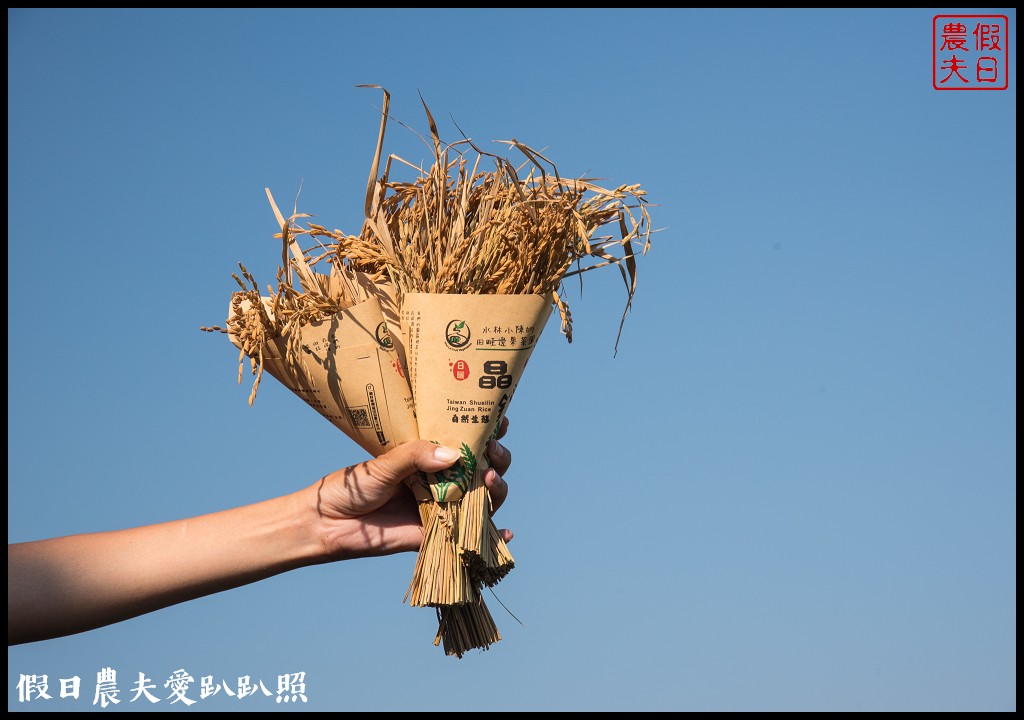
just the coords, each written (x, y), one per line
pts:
(348, 370)
(466, 355)
(389, 308)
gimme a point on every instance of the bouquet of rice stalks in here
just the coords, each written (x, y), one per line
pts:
(449, 283)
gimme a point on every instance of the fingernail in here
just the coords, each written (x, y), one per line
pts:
(493, 477)
(443, 454)
(496, 449)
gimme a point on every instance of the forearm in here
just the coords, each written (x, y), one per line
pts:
(76, 583)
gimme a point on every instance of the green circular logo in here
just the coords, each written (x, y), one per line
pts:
(384, 337)
(456, 335)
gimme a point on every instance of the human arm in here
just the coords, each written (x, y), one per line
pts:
(71, 584)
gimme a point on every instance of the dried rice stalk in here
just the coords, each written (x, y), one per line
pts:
(255, 320)
(454, 228)
(458, 229)
(466, 627)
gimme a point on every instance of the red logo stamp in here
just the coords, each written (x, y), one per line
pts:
(460, 369)
(970, 52)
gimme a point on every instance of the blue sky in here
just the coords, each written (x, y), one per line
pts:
(793, 488)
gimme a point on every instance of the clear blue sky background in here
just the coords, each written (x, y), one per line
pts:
(794, 488)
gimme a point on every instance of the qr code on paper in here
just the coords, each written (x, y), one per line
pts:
(360, 417)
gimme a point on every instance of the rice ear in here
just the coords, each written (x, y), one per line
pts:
(470, 223)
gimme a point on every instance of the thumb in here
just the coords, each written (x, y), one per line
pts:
(402, 461)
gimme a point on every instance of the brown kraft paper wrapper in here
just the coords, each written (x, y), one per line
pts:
(466, 354)
(348, 370)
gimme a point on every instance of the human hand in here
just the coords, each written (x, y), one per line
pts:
(365, 510)
(66, 585)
